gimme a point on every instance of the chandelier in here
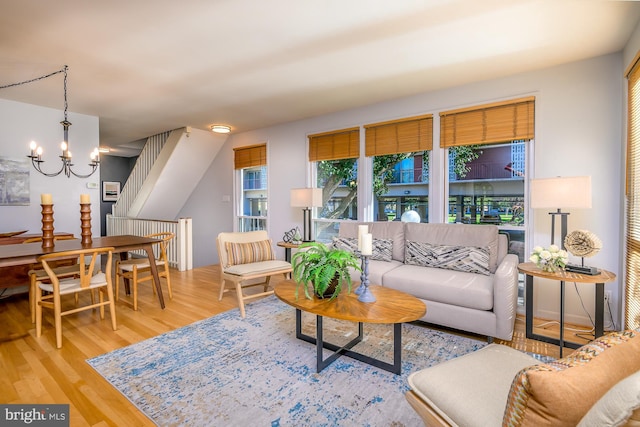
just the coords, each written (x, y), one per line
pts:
(36, 151)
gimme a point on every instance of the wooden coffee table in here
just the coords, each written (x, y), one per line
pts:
(391, 306)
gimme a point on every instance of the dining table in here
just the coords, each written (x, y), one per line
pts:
(28, 253)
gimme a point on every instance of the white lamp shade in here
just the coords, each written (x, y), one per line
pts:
(561, 192)
(306, 197)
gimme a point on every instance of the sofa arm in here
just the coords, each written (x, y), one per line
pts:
(505, 296)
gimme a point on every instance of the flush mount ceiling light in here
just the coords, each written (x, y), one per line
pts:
(221, 128)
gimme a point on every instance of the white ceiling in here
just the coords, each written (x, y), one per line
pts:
(147, 66)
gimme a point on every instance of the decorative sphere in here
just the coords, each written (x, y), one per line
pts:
(410, 216)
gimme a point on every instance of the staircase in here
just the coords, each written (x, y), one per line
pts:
(167, 171)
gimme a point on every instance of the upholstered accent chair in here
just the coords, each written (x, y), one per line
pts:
(245, 258)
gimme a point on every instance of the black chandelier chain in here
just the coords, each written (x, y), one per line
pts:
(35, 156)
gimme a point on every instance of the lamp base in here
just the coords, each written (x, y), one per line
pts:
(582, 269)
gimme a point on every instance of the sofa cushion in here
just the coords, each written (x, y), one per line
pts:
(619, 405)
(246, 253)
(460, 258)
(449, 287)
(561, 392)
(393, 230)
(479, 236)
(471, 389)
(381, 247)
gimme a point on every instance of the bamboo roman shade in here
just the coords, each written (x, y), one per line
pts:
(253, 155)
(399, 136)
(489, 123)
(335, 145)
(632, 282)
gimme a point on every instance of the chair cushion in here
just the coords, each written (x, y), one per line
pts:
(617, 406)
(258, 267)
(73, 285)
(470, 390)
(250, 252)
(138, 263)
(467, 259)
(563, 391)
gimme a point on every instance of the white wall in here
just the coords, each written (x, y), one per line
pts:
(20, 124)
(578, 132)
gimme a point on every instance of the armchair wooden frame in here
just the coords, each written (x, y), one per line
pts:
(132, 268)
(90, 278)
(247, 274)
(37, 273)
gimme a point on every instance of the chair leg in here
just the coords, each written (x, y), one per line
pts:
(135, 289)
(32, 297)
(168, 277)
(112, 307)
(266, 283)
(222, 282)
(57, 313)
(38, 310)
(240, 299)
(101, 299)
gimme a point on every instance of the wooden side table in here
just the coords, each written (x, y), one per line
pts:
(287, 249)
(531, 271)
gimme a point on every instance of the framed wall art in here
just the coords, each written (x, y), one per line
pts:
(110, 191)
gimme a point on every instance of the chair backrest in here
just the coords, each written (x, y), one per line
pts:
(237, 237)
(165, 237)
(88, 261)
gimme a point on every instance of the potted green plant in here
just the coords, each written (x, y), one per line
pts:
(326, 268)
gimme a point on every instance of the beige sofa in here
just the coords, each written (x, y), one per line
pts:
(462, 272)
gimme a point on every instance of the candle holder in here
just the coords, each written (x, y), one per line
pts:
(365, 294)
(47, 226)
(360, 288)
(85, 220)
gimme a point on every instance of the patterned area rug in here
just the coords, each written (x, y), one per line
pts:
(235, 372)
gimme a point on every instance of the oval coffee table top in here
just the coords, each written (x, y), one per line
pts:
(391, 306)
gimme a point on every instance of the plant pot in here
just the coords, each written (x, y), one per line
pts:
(330, 290)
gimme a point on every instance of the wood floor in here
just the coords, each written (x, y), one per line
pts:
(34, 371)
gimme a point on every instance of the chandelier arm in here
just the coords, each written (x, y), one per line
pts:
(93, 169)
(36, 166)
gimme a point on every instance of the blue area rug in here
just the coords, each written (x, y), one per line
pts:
(228, 371)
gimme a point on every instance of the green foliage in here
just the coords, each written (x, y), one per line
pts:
(463, 155)
(317, 264)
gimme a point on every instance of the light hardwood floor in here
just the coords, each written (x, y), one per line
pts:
(34, 371)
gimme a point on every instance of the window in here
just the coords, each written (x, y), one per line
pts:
(632, 279)
(487, 148)
(335, 156)
(251, 206)
(400, 151)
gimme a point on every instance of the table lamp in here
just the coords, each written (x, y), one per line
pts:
(306, 198)
(558, 193)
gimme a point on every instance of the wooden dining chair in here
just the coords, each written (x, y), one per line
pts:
(36, 272)
(138, 270)
(90, 278)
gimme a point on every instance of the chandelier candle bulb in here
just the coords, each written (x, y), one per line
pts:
(46, 199)
(84, 198)
(367, 244)
(362, 230)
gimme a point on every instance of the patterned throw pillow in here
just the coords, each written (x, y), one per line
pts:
(561, 392)
(381, 251)
(468, 259)
(246, 253)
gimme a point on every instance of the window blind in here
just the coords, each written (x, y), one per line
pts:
(489, 123)
(253, 155)
(632, 280)
(335, 145)
(399, 136)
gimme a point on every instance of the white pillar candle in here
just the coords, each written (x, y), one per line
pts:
(367, 244)
(46, 199)
(84, 198)
(362, 229)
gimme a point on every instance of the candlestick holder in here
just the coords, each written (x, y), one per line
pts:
(366, 295)
(360, 288)
(85, 223)
(47, 226)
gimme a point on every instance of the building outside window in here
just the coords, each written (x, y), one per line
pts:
(251, 197)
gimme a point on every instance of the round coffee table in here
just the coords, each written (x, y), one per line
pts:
(391, 306)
